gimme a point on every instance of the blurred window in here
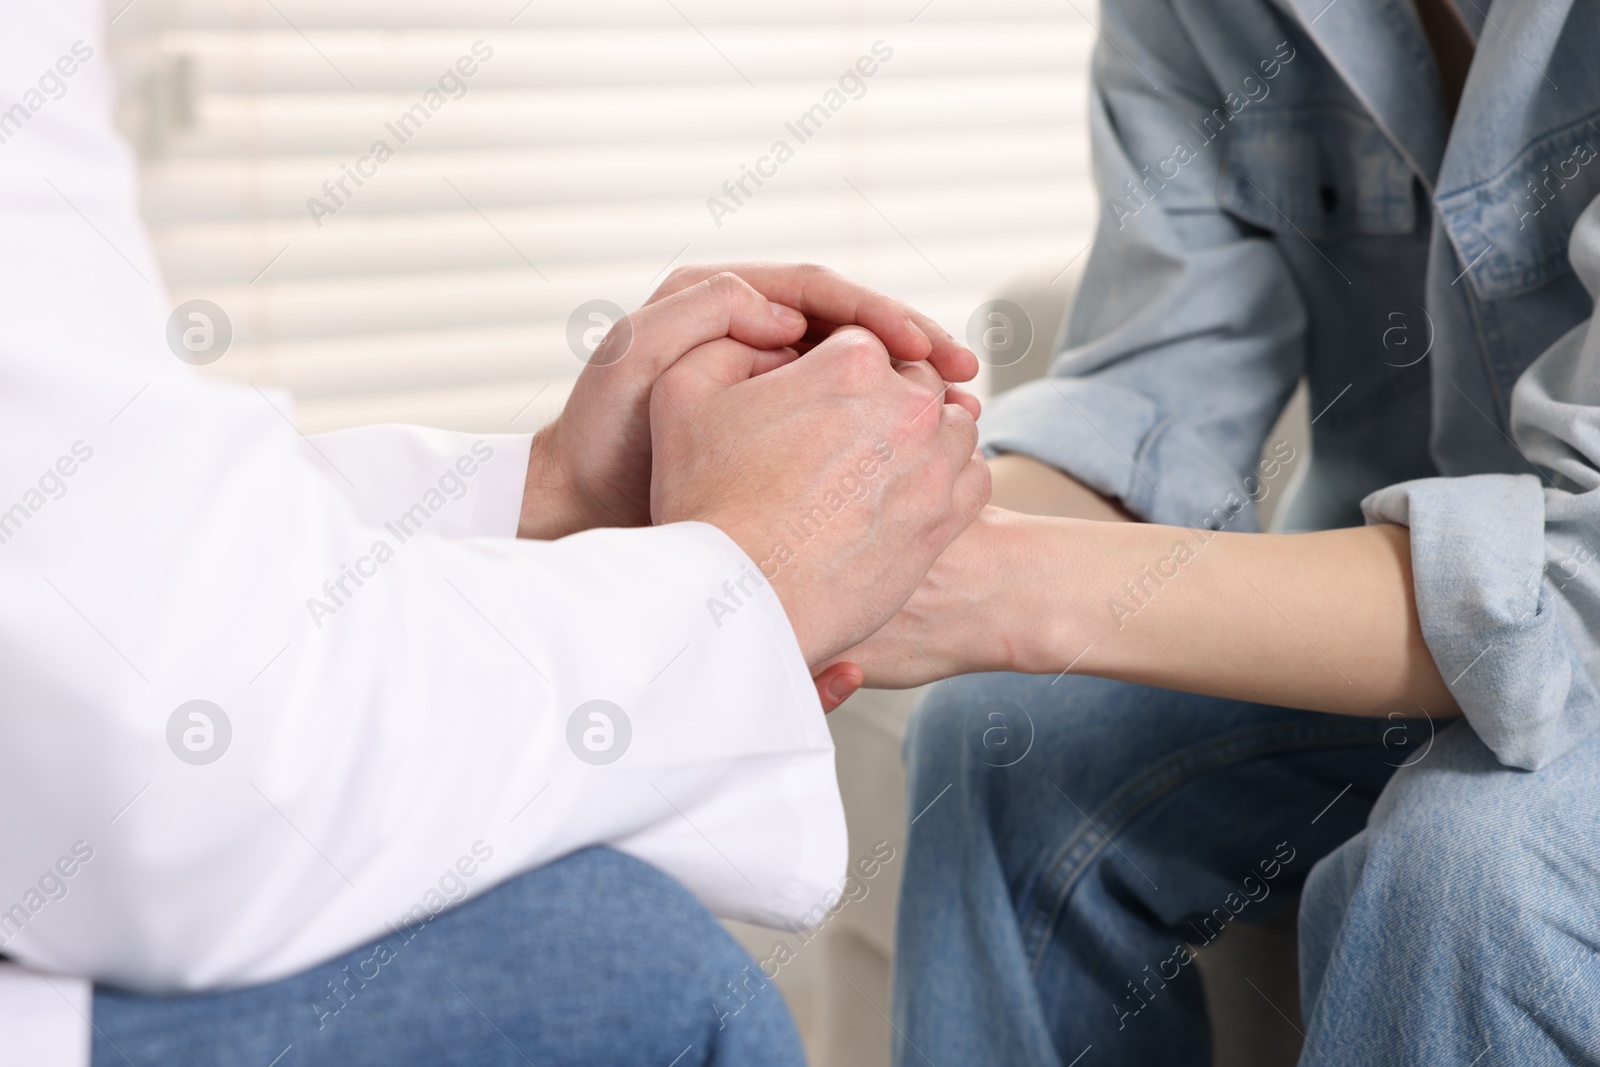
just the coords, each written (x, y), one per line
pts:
(401, 203)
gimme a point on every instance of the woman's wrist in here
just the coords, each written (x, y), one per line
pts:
(1036, 590)
(1044, 610)
(1022, 574)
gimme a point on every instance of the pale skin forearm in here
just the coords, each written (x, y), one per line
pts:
(1323, 621)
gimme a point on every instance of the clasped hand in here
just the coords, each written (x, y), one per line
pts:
(810, 419)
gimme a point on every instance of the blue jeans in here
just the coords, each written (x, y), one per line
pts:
(596, 959)
(1072, 838)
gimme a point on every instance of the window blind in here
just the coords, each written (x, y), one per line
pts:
(400, 205)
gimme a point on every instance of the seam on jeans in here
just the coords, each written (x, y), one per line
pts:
(1075, 855)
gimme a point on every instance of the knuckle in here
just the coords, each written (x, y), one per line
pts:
(615, 344)
(865, 348)
(726, 283)
(959, 421)
(730, 290)
(863, 355)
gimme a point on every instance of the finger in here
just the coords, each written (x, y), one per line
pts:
(712, 367)
(820, 293)
(772, 360)
(837, 683)
(818, 331)
(958, 435)
(680, 278)
(720, 306)
(923, 376)
(957, 395)
(857, 355)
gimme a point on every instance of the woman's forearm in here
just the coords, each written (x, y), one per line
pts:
(1323, 621)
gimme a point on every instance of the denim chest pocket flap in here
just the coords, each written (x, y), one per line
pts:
(1512, 230)
(1324, 172)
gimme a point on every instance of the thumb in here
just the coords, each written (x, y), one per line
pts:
(837, 683)
(721, 306)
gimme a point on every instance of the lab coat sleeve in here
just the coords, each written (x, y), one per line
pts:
(388, 469)
(397, 715)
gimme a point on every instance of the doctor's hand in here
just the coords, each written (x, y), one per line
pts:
(843, 474)
(829, 300)
(591, 466)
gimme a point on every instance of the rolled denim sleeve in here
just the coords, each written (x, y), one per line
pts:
(1187, 336)
(1507, 567)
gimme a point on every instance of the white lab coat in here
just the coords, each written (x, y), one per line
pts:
(419, 718)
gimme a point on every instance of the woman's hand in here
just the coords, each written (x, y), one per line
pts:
(969, 614)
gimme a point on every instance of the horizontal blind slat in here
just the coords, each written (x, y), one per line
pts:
(288, 124)
(359, 15)
(243, 191)
(550, 241)
(304, 310)
(282, 62)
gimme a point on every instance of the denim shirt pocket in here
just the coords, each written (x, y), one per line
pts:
(1511, 230)
(1323, 171)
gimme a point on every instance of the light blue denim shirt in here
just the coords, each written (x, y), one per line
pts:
(1283, 194)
